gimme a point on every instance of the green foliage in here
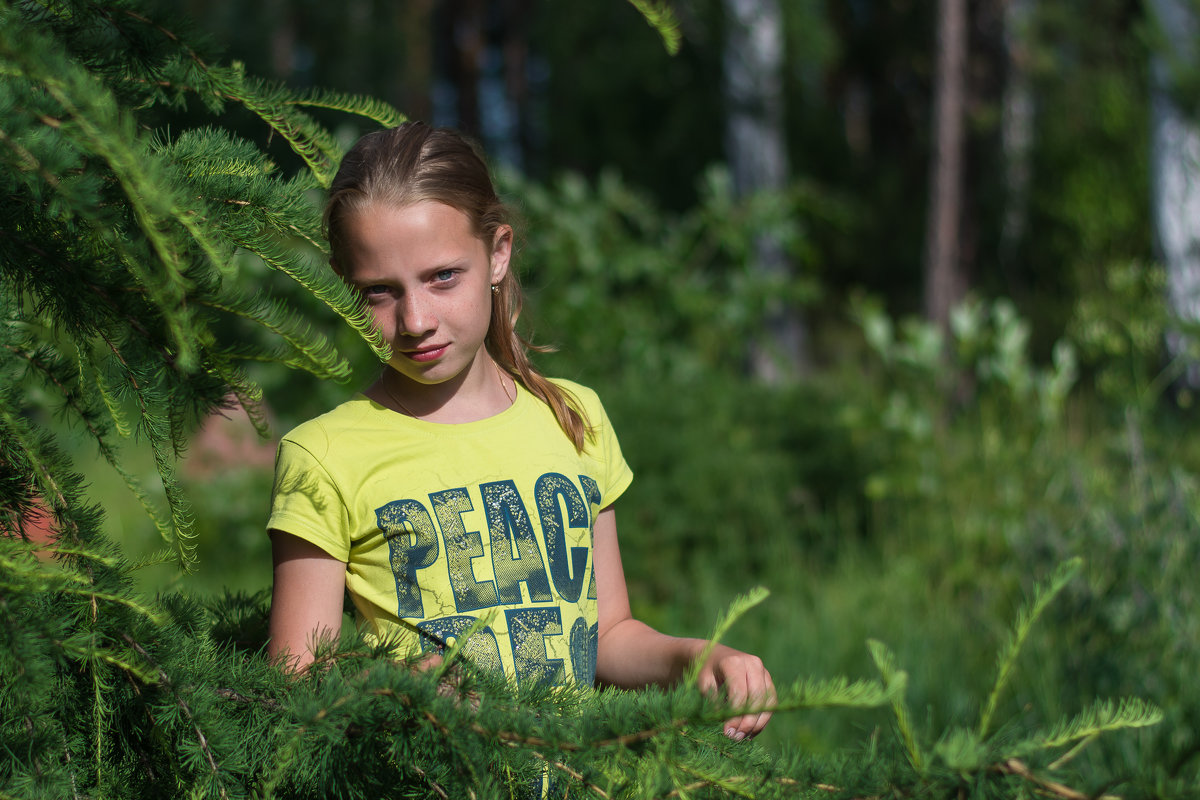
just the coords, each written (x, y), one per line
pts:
(687, 285)
(896, 680)
(662, 19)
(906, 497)
(117, 251)
(1012, 647)
(990, 380)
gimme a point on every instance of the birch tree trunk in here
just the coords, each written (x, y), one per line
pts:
(757, 153)
(944, 282)
(1175, 177)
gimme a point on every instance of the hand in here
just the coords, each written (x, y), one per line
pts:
(746, 682)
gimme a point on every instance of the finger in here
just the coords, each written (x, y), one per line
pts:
(740, 728)
(747, 726)
(763, 695)
(428, 661)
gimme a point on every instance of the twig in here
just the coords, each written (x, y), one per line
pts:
(165, 679)
(1016, 767)
(432, 783)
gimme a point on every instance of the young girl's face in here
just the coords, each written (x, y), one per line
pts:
(427, 279)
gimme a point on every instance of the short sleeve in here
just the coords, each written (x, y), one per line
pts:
(306, 503)
(617, 474)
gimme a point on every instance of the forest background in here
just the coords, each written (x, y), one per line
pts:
(800, 409)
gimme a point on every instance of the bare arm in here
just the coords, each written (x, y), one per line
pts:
(631, 654)
(306, 599)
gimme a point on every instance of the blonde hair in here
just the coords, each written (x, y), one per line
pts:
(416, 162)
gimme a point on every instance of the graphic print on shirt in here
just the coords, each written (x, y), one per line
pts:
(483, 552)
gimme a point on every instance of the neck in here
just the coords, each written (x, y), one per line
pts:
(466, 398)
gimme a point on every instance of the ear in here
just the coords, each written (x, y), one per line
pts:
(336, 267)
(501, 253)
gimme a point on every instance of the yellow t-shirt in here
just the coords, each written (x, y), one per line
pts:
(440, 525)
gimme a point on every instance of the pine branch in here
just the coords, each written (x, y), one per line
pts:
(100, 128)
(74, 400)
(1102, 717)
(309, 350)
(307, 139)
(164, 680)
(357, 104)
(740, 606)
(1052, 788)
(810, 693)
(895, 682)
(662, 18)
(1006, 661)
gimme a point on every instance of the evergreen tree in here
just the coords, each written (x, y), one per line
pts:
(126, 314)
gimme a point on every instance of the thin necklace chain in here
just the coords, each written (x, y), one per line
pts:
(404, 408)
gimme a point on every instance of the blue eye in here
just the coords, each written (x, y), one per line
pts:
(373, 291)
(444, 275)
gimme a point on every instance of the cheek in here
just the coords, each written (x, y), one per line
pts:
(381, 318)
(485, 312)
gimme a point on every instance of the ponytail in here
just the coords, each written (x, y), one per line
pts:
(510, 350)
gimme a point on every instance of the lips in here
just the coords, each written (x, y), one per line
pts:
(425, 354)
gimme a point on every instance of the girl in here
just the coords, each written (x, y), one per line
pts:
(462, 484)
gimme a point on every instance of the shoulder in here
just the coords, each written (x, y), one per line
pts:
(317, 434)
(587, 402)
(585, 397)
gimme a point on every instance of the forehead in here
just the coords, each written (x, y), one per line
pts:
(426, 233)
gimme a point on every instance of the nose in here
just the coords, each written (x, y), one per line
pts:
(415, 315)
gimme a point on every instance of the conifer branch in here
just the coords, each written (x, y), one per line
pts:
(48, 486)
(1006, 661)
(1102, 717)
(34, 574)
(895, 681)
(86, 654)
(737, 608)
(833, 692)
(1016, 767)
(662, 18)
(164, 680)
(105, 133)
(73, 401)
(315, 146)
(360, 105)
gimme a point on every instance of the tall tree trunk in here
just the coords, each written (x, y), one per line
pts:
(945, 284)
(283, 38)
(757, 153)
(1175, 177)
(1016, 132)
(468, 40)
(415, 21)
(516, 76)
